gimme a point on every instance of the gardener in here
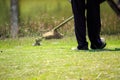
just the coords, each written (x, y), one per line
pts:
(93, 24)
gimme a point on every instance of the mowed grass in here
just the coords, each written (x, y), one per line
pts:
(54, 60)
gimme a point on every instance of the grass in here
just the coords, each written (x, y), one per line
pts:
(54, 60)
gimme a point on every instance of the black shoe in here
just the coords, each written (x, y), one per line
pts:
(82, 48)
(99, 44)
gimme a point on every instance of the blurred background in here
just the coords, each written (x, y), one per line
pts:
(39, 16)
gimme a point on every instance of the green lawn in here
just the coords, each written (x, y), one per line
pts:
(54, 60)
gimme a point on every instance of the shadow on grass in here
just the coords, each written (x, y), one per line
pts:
(99, 50)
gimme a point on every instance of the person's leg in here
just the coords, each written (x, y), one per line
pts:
(94, 24)
(101, 1)
(93, 19)
(78, 7)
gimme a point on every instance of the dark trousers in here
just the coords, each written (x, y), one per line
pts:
(92, 18)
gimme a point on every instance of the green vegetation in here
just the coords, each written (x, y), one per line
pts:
(54, 60)
(37, 16)
(110, 21)
(4, 11)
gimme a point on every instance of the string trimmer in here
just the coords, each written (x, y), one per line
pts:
(54, 34)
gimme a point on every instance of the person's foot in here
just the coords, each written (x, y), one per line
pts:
(99, 44)
(85, 47)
